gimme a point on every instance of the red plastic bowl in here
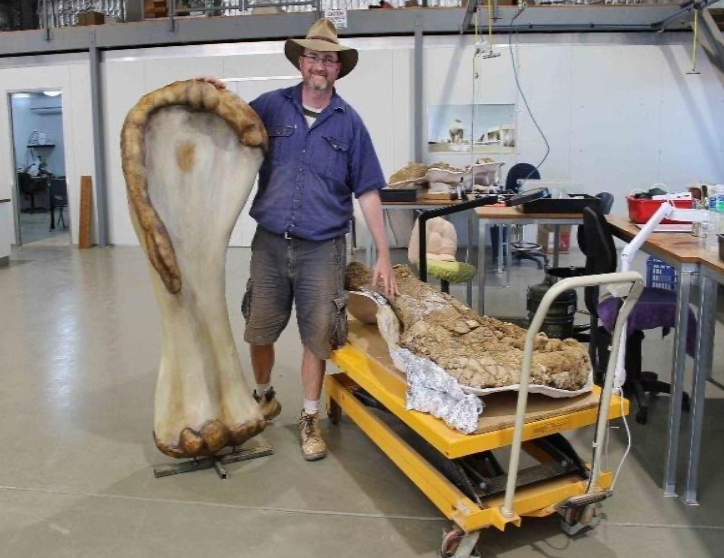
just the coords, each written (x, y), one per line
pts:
(641, 210)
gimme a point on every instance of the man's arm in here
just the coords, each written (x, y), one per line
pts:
(372, 211)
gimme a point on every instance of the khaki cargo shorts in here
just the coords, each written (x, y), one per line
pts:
(305, 273)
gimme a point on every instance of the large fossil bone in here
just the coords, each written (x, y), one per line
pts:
(190, 156)
(480, 352)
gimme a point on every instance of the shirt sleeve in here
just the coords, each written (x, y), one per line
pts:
(365, 172)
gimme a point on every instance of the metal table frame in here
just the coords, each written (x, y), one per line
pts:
(709, 279)
(686, 272)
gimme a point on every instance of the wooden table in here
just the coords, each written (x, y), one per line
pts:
(505, 217)
(686, 253)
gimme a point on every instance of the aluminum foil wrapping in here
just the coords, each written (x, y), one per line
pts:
(432, 390)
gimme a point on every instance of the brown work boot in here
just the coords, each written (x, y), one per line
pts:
(269, 405)
(313, 447)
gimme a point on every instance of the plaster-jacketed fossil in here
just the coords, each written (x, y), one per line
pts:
(480, 352)
(190, 156)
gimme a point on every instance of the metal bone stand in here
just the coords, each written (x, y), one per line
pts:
(215, 461)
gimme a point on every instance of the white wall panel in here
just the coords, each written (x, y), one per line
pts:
(692, 123)
(616, 118)
(123, 86)
(545, 78)
(158, 73)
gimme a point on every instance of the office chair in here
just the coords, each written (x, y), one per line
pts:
(58, 195)
(522, 250)
(656, 308)
(31, 187)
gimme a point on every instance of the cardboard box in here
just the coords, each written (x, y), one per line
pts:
(546, 238)
(91, 18)
(155, 8)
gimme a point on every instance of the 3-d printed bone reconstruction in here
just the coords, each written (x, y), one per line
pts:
(190, 156)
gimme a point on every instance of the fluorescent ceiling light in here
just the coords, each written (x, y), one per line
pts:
(21, 95)
(51, 93)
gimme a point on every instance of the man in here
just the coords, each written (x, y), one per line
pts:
(320, 155)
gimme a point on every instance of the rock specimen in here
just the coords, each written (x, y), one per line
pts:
(190, 155)
(480, 352)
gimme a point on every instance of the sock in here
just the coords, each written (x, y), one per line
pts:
(261, 389)
(311, 406)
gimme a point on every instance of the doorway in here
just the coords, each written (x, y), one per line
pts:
(41, 192)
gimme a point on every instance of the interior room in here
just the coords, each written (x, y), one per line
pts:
(428, 277)
(42, 194)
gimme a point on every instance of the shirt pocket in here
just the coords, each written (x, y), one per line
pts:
(280, 143)
(336, 158)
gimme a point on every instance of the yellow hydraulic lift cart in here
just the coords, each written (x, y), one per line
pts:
(459, 473)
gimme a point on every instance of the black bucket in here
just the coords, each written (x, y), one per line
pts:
(558, 323)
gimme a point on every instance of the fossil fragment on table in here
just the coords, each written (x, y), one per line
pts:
(480, 352)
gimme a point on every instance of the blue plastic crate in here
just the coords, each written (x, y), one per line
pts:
(660, 275)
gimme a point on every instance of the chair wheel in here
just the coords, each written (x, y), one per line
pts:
(642, 415)
(685, 405)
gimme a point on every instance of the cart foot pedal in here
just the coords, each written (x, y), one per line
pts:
(581, 512)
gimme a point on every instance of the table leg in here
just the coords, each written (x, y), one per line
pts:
(503, 230)
(556, 244)
(677, 382)
(508, 254)
(482, 233)
(702, 368)
(472, 218)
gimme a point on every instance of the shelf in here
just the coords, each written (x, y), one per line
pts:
(44, 145)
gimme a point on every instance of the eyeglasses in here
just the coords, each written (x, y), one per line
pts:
(326, 62)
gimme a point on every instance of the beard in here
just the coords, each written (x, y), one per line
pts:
(317, 82)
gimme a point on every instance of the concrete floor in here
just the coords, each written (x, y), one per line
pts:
(36, 226)
(79, 355)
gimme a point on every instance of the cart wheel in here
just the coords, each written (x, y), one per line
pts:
(452, 544)
(334, 412)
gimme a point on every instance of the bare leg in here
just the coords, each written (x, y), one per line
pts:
(262, 361)
(312, 375)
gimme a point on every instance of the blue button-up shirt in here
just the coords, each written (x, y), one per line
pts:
(310, 174)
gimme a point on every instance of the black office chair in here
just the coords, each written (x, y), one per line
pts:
(522, 250)
(655, 306)
(31, 187)
(58, 200)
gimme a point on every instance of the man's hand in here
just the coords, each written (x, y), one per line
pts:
(384, 274)
(216, 82)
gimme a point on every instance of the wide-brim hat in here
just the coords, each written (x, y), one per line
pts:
(322, 37)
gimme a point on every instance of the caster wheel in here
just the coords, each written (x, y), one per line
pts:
(334, 412)
(685, 405)
(456, 543)
(642, 416)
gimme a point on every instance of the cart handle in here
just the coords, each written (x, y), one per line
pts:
(564, 285)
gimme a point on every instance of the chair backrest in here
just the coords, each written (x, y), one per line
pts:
(59, 188)
(604, 205)
(606, 202)
(520, 171)
(601, 255)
